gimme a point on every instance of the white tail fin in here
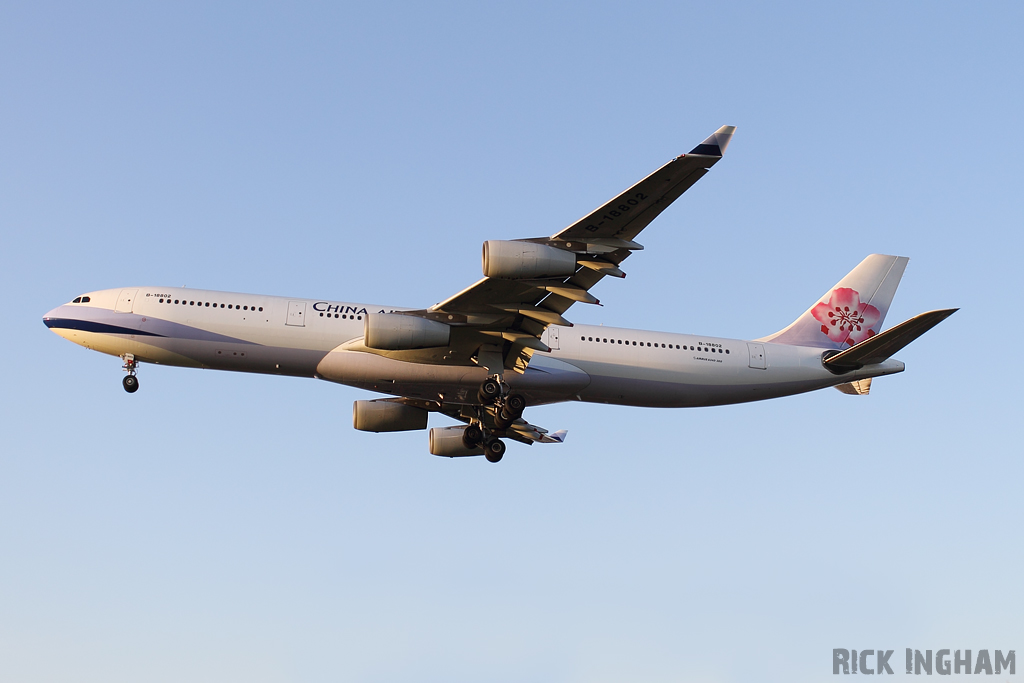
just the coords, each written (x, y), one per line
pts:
(850, 312)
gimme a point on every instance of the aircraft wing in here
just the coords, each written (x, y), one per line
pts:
(624, 216)
(509, 316)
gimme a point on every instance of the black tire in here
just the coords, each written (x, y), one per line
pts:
(130, 383)
(516, 404)
(512, 409)
(489, 391)
(494, 450)
(472, 436)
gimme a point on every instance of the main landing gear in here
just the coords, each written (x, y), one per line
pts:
(507, 409)
(476, 437)
(494, 450)
(130, 382)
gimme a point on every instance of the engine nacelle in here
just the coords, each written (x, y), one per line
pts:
(447, 441)
(395, 332)
(526, 260)
(387, 416)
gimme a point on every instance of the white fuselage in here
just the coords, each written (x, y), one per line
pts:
(322, 339)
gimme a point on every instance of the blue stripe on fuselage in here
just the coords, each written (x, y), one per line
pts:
(90, 326)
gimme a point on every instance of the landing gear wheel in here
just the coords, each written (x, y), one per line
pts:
(494, 450)
(515, 404)
(130, 382)
(509, 410)
(489, 391)
(472, 436)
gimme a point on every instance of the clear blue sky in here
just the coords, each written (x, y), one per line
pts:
(219, 527)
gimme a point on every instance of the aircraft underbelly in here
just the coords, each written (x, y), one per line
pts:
(663, 394)
(548, 381)
(693, 385)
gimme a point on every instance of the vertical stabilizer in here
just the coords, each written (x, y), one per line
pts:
(850, 312)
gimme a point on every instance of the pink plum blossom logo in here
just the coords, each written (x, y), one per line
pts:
(845, 318)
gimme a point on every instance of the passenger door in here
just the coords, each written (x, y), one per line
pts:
(296, 314)
(553, 337)
(125, 301)
(757, 357)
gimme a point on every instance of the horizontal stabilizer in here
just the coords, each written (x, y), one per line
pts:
(860, 387)
(882, 346)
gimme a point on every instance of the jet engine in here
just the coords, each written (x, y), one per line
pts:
(525, 260)
(396, 332)
(447, 441)
(387, 416)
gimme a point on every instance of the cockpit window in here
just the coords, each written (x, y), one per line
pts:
(85, 299)
(77, 300)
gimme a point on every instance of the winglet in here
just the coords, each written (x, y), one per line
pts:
(559, 436)
(716, 143)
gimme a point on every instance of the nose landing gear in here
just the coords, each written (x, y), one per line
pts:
(130, 382)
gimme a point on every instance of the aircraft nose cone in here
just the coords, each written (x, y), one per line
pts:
(56, 319)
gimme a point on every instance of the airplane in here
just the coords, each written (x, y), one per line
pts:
(502, 344)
